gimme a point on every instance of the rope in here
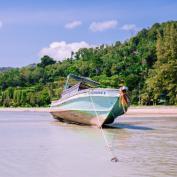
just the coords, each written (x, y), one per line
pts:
(114, 158)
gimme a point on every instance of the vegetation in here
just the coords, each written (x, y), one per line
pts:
(147, 64)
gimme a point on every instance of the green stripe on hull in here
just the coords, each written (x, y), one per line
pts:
(116, 111)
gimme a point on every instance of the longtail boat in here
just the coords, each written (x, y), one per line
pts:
(84, 102)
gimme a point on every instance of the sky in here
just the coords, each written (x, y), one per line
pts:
(32, 28)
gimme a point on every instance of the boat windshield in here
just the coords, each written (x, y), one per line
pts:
(83, 82)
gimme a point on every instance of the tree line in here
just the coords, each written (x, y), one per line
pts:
(146, 63)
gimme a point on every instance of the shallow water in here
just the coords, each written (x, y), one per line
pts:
(36, 145)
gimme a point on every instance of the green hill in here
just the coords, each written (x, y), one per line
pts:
(146, 63)
(2, 69)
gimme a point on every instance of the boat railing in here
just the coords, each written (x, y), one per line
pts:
(89, 90)
(74, 93)
(70, 91)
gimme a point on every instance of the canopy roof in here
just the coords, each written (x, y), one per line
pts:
(82, 79)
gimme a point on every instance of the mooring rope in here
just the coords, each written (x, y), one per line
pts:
(114, 158)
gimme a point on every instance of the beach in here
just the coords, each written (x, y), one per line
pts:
(138, 111)
(34, 144)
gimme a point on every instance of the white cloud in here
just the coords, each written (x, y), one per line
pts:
(102, 26)
(62, 50)
(1, 24)
(73, 24)
(130, 27)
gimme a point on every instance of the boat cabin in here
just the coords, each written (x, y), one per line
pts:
(75, 84)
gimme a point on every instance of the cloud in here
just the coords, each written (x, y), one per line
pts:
(62, 50)
(102, 26)
(1, 24)
(130, 27)
(73, 24)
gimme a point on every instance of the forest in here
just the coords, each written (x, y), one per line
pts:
(146, 64)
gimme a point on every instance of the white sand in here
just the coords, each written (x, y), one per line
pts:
(152, 111)
(139, 111)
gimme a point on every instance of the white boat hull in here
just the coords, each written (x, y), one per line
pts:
(91, 107)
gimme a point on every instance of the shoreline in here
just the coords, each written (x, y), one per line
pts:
(133, 111)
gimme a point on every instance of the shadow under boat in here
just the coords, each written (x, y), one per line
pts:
(126, 126)
(111, 126)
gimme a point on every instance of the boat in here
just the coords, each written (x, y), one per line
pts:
(83, 101)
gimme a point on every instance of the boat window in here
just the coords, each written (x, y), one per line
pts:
(83, 86)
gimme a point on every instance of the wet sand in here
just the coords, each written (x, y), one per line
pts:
(33, 144)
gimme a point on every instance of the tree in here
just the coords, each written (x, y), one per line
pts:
(46, 60)
(163, 77)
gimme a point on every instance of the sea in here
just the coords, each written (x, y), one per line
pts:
(33, 144)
